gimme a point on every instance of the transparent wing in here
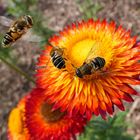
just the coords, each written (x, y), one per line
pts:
(31, 37)
(4, 21)
(93, 52)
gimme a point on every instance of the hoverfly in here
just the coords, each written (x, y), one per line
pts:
(57, 57)
(17, 29)
(90, 65)
(87, 68)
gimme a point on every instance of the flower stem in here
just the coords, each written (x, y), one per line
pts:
(17, 69)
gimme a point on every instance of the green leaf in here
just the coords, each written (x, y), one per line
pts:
(112, 129)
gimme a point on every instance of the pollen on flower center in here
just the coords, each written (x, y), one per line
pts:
(49, 115)
(86, 50)
(79, 52)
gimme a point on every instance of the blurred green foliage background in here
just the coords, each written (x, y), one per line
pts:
(114, 128)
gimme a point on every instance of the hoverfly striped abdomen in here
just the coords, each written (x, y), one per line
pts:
(57, 58)
(98, 63)
(88, 68)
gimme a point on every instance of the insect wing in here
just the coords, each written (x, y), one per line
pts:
(92, 53)
(5, 22)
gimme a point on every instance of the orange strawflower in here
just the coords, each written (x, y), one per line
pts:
(45, 124)
(103, 88)
(16, 125)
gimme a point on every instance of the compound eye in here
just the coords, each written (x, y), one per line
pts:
(78, 73)
(52, 54)
(29, 18)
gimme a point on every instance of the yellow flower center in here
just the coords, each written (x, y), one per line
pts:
(15, 121)
(79, 52)
(16, 124)
(86, 50)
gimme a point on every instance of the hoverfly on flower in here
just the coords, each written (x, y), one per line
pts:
(88, 68)
(92, 63)
(57, 57)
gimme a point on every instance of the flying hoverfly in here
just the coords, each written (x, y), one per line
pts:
(16, 29)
